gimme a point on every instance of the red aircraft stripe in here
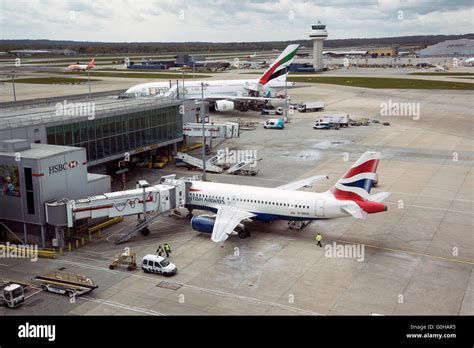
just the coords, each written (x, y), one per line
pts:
(366, 167)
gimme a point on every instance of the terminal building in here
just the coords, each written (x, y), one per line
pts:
(106, 128)
(32, 174)
(455, 48)
(46, 150)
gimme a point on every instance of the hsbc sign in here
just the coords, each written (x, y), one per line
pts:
(62, 167)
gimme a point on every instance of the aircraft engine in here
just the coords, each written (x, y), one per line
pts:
(203, 224)
(224, 105)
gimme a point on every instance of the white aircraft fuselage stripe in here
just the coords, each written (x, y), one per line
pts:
(358, 177)
(357, 190)
(192, 89)
(269, 201)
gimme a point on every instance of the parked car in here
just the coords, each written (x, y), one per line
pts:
(322, 125)
(274, 123)
(158, 264)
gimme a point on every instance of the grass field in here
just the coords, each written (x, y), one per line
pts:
(52, 80)
(442, 73)
(140, 75)
(378, 82)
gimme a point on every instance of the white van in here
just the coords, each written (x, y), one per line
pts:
(158, 264)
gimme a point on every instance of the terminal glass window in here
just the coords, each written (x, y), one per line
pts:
(30, 197)
(114, 135)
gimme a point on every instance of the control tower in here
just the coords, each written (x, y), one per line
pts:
(318, 34)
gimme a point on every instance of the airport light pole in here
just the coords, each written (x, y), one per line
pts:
(203, 134)
(89, 82)
(286, 94)
(13, 84)
(183, 87)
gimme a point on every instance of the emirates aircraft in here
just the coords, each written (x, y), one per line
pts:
(233, 204)
(226, 95)
(82, 67)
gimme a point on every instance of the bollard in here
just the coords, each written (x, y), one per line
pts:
(61, 251)
(82, 240)
(77, 243)
(70, 246)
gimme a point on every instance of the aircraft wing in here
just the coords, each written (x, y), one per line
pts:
(227, 218)
(295, 185)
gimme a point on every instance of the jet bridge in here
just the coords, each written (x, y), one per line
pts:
(228, 130)
(148, 200)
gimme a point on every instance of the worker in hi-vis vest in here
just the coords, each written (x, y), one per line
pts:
(319, 238)
(167, 250)
(159, 250)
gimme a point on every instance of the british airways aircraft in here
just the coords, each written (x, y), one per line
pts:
(232, 204)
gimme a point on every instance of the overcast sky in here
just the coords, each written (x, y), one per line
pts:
(228, 21)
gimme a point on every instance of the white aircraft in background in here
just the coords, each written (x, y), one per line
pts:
(82, 67)
(225, 95)
(350, 196)
(439, 68)
(468, 61)
(252, 55)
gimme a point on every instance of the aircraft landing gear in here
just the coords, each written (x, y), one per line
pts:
(190, 214)
(242, 232)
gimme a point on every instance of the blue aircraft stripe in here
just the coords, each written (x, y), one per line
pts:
(365, 184)
(259, 216)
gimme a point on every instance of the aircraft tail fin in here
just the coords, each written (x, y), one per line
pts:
(359, 179)
(280, 64)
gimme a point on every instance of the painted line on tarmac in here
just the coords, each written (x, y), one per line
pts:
(121, 305)
(408, 252)
(33, 294)
(434, 197)
(433, 208)
(216, 292)
(251, 299)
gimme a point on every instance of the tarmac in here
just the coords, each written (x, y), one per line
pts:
(417, 258)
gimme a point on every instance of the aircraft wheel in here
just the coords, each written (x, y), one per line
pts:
(242, 233)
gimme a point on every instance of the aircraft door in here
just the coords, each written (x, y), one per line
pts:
(320, 207)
